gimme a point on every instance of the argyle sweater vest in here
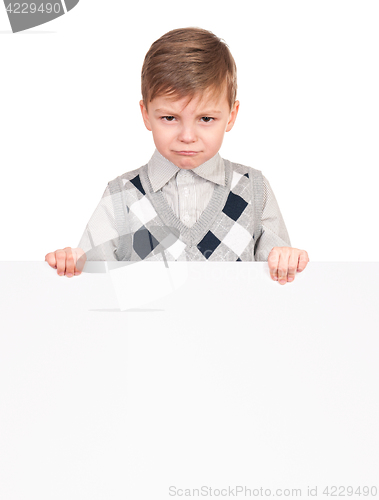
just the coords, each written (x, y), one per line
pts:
(227, 229)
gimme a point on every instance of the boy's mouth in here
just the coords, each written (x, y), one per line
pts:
(186, 153)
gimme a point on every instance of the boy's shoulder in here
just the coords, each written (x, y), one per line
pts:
(259, 181)
(245, 170)
(122, 182)
(131, 174)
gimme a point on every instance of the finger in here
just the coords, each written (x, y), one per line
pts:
(283, 267)
(292, 265)
(51, 260)
(70, 262)
(303, 261)
(272, 261)
(60, 256)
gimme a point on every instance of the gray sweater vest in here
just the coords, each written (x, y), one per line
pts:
(227, 230)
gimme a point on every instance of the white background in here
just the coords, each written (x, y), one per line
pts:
(308, 82)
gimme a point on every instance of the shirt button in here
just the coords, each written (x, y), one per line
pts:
(186, 217)
(186, 191)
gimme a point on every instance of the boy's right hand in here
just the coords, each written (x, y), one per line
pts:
(69, 261)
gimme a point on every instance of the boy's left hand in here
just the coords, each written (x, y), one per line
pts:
(284, 262)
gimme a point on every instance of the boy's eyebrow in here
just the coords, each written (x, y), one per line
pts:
(162, 110)
(212, 112)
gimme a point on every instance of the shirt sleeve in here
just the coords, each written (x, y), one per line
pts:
(100, 238)
(274, 231)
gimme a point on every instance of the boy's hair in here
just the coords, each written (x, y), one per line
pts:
(188, 61)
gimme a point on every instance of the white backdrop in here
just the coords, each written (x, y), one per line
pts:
(307, 82)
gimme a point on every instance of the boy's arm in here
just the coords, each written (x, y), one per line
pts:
(100, 238)
(274, 231)
(103, 236)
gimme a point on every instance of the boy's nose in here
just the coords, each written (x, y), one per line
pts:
(187, 135)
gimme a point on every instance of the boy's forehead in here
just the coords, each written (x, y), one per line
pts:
(210, 100)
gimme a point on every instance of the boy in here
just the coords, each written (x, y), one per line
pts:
(187, 203)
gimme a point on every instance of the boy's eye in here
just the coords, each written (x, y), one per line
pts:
(170, 118)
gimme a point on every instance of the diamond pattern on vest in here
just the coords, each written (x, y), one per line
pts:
(234, 206)
(229, 238)
(136, 181)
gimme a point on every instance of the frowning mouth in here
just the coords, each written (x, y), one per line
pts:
(187, 153)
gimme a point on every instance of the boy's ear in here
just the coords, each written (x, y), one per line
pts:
(233, 116)
(145, 117)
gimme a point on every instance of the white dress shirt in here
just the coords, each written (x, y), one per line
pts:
(187, 191)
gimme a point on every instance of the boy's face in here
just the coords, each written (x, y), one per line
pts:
(189, 134)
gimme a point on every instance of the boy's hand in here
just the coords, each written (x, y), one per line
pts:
(67, 261)
(284, 262)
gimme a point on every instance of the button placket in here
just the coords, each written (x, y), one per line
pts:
(185, 184)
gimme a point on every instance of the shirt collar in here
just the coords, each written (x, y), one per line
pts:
(161, 170)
